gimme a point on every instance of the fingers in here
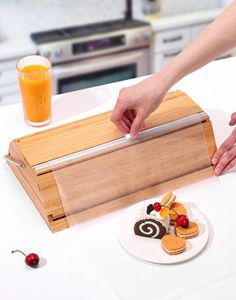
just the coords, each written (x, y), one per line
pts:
(129, 116)
(122, 126)
(117, 119)
(226, 162)
(133, 115)
(137, 125)
(127, 122)
(233, 119)
(229, 166)
(228, 143)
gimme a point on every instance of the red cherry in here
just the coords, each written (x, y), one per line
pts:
(31, 259)
(182, 221)
(157, 206)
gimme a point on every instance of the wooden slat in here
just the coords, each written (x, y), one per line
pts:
(49, 191)
(100, 180)
(77, 136)
(134, 168)
(120, 203)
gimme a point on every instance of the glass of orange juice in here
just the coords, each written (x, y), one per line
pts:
(35, 81)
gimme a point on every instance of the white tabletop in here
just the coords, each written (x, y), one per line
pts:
(86, 261)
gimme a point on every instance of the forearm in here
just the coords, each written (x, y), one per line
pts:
(219, 37)
(137, 102)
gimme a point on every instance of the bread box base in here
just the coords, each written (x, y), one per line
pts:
(175, 150)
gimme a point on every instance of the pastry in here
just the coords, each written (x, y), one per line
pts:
(154, 220)
(168, 199)
(175, 210)
(150, 224)
(189, 232)
(173, 244)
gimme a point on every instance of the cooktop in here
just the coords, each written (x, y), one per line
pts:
(85, 30)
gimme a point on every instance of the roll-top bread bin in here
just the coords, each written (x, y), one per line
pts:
(88, 168)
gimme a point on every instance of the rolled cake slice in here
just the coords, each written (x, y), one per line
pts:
(147, 225)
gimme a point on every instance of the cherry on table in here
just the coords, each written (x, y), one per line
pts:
(31, 259)
(182, 221)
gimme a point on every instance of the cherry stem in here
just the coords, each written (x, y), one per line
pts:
(19, 251)
(171, 209)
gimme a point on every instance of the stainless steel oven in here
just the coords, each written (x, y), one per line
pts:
(100, 70)
(96, 54)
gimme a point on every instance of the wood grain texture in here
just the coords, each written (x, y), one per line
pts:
(125, 201)
(96, 130)
(30, 186)
(112, 179)
(125, 171)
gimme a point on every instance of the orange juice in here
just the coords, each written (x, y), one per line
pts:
(36, 89)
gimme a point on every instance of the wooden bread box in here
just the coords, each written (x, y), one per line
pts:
(108, 170)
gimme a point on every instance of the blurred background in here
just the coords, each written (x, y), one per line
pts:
(95, 42)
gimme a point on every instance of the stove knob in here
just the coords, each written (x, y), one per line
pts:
(57, 52)
(137, 38)
(46, 53)
(147, 35)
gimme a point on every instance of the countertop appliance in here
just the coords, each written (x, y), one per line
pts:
(96, 54)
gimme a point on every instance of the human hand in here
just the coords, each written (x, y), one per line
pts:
(224, 158)
(137, 102)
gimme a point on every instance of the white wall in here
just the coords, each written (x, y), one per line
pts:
(18, 18)
(226, 2)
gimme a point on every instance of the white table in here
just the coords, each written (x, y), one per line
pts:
(75, 257)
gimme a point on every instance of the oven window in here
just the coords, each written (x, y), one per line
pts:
(98, 78)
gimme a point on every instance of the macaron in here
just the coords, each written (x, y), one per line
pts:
(173, 245)
(168, 199)
(175, 210)
(189, 232)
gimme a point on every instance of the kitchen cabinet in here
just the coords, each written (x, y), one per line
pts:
(169, 43)
(9, 91)
(172, 39)
(161, 59)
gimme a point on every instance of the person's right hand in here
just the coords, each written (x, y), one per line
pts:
(224, 158)
(137, 102)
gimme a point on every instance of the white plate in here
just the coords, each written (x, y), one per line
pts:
(150, 249)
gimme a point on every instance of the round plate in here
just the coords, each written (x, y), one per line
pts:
(149, 249)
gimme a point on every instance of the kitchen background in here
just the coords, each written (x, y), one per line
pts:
(27, 16)
(176, 25)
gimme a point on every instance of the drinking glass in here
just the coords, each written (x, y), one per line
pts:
(35, 81)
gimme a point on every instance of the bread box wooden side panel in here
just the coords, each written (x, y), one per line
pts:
(41, 185)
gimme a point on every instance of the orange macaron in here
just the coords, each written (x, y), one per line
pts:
(173, 245)
(168, 199)
(189, 232)
(175, 210)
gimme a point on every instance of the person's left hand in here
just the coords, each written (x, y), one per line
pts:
(224, 158)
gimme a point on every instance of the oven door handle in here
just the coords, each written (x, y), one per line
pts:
(97, 64)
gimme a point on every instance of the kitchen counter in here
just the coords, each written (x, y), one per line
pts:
(188, 19)
(15, 49)
(86, 261)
